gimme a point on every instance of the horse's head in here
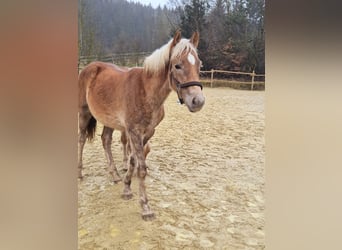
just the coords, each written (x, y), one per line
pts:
(184, 71)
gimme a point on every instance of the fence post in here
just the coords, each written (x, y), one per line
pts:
(253, 74)
(211, 78)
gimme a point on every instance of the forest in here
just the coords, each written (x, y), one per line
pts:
(232, 35)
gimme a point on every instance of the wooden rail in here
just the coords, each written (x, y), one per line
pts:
(252, 74)
(114, 57)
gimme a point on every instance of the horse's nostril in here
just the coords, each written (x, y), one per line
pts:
(194, 101)
(197, 101)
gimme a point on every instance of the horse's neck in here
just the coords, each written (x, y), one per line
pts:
(158, 89)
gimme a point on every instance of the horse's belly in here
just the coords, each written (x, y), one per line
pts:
(113, 122)
(105, 111)
(109, 118)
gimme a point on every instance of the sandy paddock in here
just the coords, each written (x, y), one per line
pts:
(205, 181)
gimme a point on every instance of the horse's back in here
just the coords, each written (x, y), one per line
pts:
(96, 68)
(103, 70)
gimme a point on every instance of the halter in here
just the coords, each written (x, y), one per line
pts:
(185, 85)
(180, 86)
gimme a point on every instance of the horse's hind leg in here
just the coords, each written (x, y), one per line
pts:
(126, 151)
(107, 142)
(131, 162)
(83, 121)
(81, 142)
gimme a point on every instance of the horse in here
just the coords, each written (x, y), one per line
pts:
(131, 100)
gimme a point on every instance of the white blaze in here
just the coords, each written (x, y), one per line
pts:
(191, 59)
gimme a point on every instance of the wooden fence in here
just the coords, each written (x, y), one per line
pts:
(135, 59)
(251, 74)
(123, 59)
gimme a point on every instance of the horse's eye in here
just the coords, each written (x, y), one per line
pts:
(178, 66)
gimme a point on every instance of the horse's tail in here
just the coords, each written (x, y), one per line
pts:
(86, 77)
(91, 128)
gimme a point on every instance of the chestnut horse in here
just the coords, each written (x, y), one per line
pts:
(131, 100)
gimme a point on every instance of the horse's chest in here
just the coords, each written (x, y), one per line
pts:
(157, 117)
(148, 120)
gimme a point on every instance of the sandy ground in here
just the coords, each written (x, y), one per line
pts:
(205, 182)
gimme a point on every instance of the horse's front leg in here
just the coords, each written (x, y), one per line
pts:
(147, 137)
(137, 146)
(129, 162)
(147, 149)
(107, 142)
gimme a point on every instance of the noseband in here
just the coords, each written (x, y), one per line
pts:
(185, 85)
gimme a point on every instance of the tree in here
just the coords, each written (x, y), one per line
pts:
(231, 31)
(216, 38)
(255, 11)
(88, 45)
(194, 19)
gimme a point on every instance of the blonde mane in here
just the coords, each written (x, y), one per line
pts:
(157, 61)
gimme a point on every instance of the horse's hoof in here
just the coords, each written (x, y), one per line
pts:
(148, 215)
(115, 179)
(123, 171)
(127, 196)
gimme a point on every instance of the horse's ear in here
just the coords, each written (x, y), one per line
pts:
(176, 38)
(195, 39)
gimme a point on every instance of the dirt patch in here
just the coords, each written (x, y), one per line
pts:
(205, 181)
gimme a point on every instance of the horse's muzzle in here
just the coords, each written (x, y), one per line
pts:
(196, 103)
